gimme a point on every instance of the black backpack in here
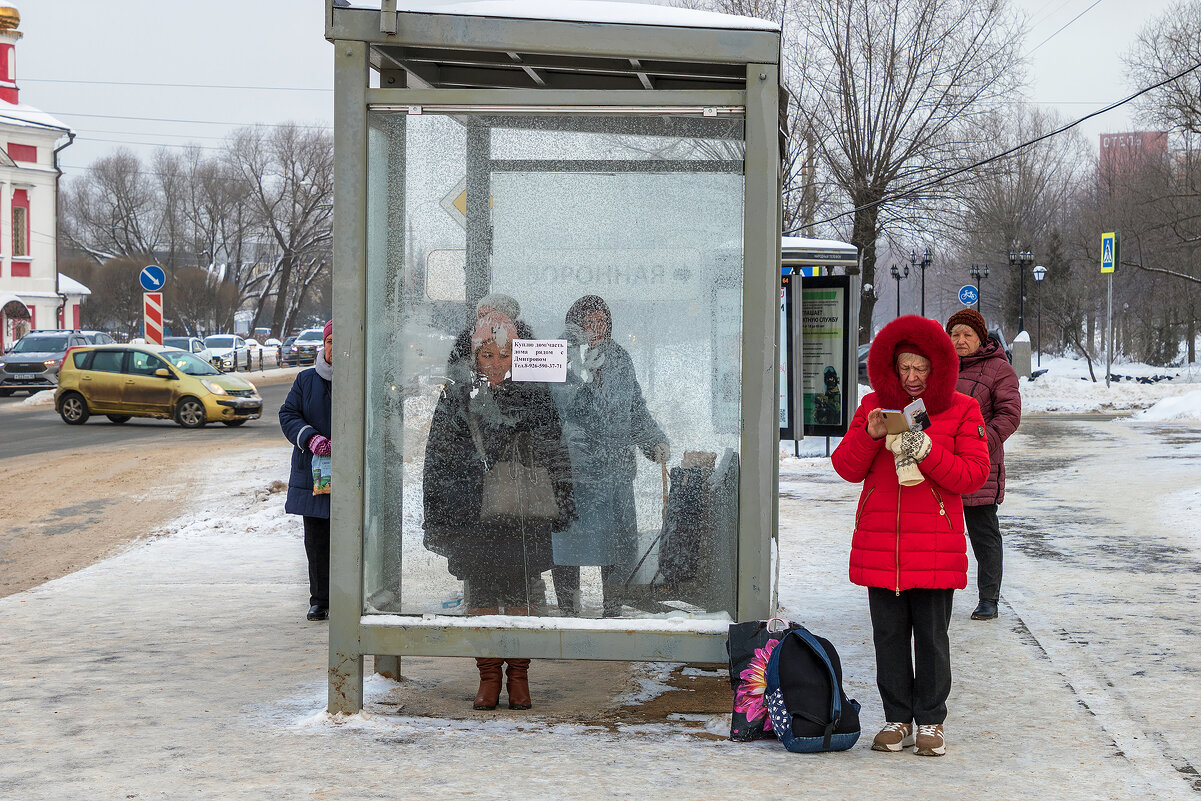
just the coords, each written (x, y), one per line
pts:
(804, 697)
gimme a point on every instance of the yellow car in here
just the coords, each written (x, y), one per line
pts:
(124, 381)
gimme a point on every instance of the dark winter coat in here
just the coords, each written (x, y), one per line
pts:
(907, 537)
(453, 476)
(604, 421)
(988, 377)
(305, 413)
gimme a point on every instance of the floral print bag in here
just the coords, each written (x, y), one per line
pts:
(750, 646)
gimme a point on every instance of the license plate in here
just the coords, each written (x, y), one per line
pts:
(25, 377)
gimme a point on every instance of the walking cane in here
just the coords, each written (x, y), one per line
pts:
(663, 464)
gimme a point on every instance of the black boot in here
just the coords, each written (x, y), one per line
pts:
(985, 610)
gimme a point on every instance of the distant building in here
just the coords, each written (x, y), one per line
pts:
(32, 293)
(1122, 153)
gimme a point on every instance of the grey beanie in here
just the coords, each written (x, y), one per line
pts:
(502, 303)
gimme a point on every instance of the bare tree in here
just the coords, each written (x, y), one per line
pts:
(289, 175)
(1168, 45)
(894, 89)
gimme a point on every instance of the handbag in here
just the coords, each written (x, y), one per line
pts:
(515, 490)
(750, 646)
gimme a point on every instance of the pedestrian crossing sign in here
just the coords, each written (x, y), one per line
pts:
(1111, 246)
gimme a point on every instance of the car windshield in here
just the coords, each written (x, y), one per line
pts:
(309, 336)
(41, 343)
(189, 364)
(218, 342)
(177, 342)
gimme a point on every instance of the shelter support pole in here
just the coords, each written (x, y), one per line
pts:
(350, 312)
(758, 505)
(479, 213)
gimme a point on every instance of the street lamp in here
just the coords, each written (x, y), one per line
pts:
(1040, 272)
(978, 273)
(926, 260)
(897, 276)
(1021, 259)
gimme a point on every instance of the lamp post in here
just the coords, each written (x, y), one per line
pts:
(897, 275)
(977, 272)
(926, 260)
(1040, 272)
(1021, 259)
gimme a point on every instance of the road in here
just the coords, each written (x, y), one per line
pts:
(41, 431)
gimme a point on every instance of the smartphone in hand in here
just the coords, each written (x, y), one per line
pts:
(894, 421)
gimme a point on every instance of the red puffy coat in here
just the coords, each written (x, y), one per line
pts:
(907, 537)
(987, 376)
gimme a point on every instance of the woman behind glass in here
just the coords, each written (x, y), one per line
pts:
(497, 559)
(604, 419)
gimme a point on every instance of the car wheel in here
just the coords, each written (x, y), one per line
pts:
(190, 413)
(233, 423)
(73, 409)
(118, 418)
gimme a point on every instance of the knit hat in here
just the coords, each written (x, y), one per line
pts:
(972, 319)
(493, 327)
(908, 347)
(329, 329)
(587, 305)
(496, 301)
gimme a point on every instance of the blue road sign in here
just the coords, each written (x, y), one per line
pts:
(968, 295)
(152, 278)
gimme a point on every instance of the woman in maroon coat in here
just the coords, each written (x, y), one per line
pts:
(908, 547)
(986, 375)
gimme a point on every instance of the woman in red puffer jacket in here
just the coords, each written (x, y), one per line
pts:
(908, 547)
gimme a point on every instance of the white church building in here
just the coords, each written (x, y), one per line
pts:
(32, 292)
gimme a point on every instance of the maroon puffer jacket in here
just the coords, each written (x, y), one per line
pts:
(908, 537)
(987, 376)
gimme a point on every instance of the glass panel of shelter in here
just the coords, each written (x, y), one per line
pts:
(554, 306)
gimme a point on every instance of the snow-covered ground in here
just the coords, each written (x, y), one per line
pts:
(182, 667)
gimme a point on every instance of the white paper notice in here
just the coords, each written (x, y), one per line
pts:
(540, 360)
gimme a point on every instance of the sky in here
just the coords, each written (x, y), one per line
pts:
(142, 74)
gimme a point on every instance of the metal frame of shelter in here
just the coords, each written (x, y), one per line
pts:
(482, 64)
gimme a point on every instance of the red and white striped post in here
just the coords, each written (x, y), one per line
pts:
(152, 303)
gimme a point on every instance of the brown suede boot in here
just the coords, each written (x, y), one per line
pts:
(519, 683)
(490, 677)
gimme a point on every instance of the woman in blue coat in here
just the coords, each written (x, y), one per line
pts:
(605, 420)
(305, 420)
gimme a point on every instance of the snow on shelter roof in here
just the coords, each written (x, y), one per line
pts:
(596, 11)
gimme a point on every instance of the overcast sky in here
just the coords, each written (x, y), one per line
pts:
(142, 72)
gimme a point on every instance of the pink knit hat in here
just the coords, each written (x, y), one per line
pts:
(329, 329)
(493, 327)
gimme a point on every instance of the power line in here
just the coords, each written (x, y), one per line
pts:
(189, 122)
(952, 173)
(1065, 25)
(180, 85)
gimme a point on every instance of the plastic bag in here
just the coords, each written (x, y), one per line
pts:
(322, 473)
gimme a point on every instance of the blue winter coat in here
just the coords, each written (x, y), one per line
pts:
(306, 412)
(604, 420)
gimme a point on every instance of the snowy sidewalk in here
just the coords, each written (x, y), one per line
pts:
(183, 668)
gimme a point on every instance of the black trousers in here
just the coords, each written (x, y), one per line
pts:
(316, 547)
(984, 531)
(913, 653)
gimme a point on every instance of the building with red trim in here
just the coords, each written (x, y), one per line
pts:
(32, 293)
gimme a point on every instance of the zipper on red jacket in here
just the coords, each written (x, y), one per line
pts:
(897, 553)
(942, 510)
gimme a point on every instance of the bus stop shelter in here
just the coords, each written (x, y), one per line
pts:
(549, 153)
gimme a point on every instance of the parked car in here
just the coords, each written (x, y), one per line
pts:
(287, 354)
(229, 350)
(32, 363)
(303, 348)
(193, 345)
(124, 381)
(862, 356)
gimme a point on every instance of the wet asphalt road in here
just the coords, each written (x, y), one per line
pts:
(40, 430)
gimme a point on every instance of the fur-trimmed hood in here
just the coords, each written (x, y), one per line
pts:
(929, 336)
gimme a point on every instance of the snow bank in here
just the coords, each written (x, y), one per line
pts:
(1184, 407)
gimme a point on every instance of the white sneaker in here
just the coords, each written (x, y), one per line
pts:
(930, 741)
(893, 737)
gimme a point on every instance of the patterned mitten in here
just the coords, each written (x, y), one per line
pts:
(908, 473)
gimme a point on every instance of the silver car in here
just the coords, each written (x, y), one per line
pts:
(228, 350)
(32, 363)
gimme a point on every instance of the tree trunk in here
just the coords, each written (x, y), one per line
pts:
(863, 236)
(281, 295)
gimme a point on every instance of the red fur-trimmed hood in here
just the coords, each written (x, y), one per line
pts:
(932, 340)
